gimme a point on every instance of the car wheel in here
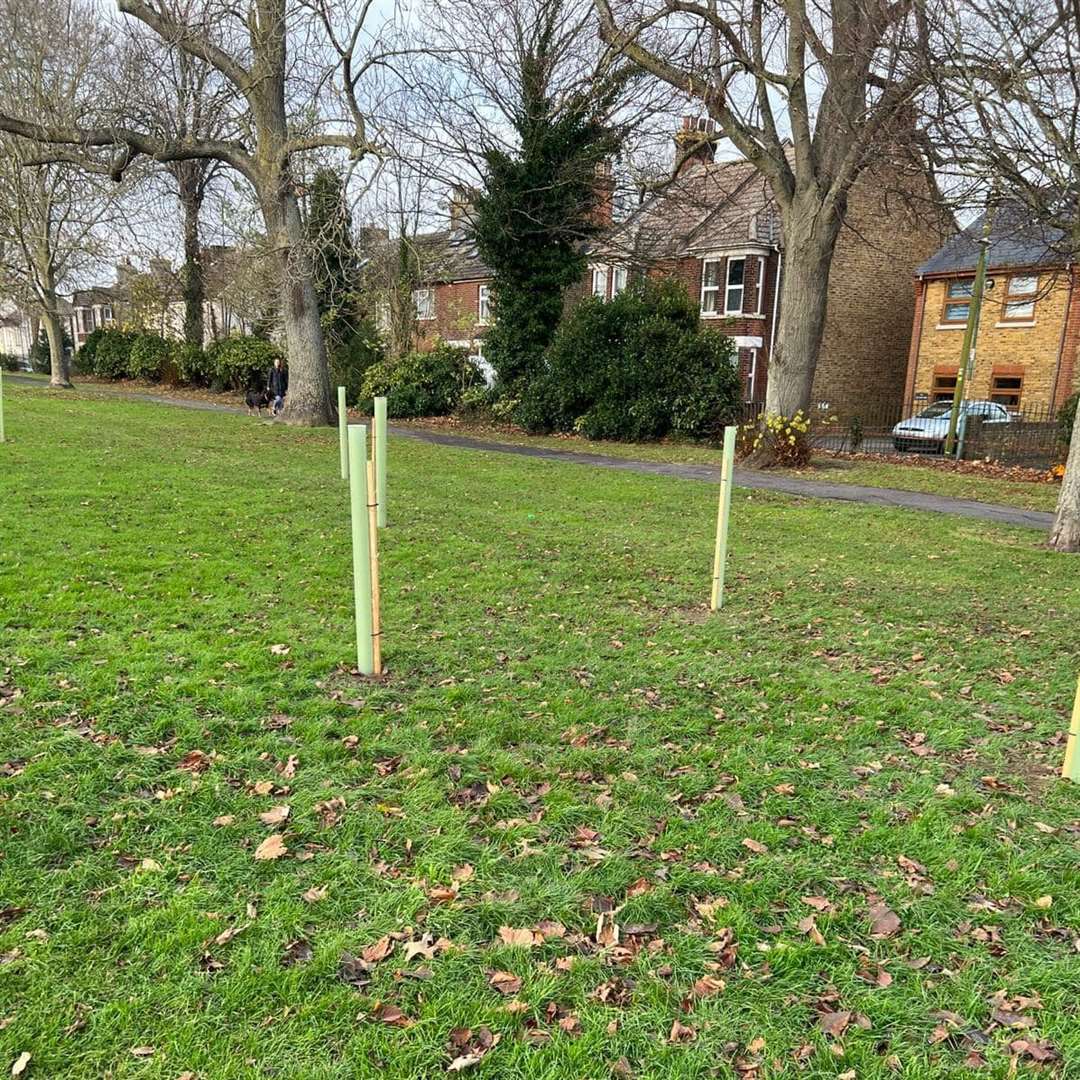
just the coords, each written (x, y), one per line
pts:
(899, 445)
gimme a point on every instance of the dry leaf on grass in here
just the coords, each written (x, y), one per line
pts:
(505, 982)
(20, 1063)
(273, 847)
(390, 1014)
(884, 922)
(314, 895)
(379, 951)
(681, 1033)
(275, 815)
(520, 937)
(755, 846)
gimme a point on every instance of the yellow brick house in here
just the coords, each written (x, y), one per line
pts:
(1025, 355)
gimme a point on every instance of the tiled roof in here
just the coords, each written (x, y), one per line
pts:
(1016, 239)
(706, 207)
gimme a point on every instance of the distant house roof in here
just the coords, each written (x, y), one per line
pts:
(707, 206)
(450, 255)
(1016, 239)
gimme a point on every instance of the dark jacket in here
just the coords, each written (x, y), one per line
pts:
(278, 383)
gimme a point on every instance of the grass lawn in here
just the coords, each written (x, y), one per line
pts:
(582, 829)
(1028, 495)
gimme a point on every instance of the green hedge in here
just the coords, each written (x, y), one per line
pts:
(422, 383)
(240, 363)
(637, 367)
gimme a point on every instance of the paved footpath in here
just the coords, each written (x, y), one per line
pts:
(745, 478)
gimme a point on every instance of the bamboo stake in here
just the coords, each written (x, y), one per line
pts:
(380, 458)
(1071, 769)
(1, 405)
(727, 466)
(343, 432)
(373, 544)
(361, 539)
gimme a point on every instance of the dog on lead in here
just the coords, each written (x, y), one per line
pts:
(256, 401)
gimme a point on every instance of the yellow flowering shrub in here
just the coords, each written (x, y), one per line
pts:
(785, 440)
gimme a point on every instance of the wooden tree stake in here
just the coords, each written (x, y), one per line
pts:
(373, 545)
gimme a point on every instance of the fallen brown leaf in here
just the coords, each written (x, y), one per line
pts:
(275, 815)
(273, 847)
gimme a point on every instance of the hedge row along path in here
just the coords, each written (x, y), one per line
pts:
(754, 479)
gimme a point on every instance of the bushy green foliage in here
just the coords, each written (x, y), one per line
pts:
(422, 383)
(237, 363)
(10, 362)
(636, 367)
(1067, 417)
(86, 357)
(538, 204)
(192, 365)
(148, 356)
(111, 356)
(351, 359)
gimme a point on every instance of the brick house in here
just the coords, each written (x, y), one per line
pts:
(714, 226)
(1025, 354)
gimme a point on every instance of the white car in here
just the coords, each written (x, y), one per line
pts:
(929, 429)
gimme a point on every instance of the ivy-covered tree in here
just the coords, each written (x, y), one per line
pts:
(352, 341)
(335, 264)
(538, 203)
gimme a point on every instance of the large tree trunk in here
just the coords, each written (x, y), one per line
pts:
(188, 176)
(59, 375)
(309, 400)
(810, 239)
(1065, 533)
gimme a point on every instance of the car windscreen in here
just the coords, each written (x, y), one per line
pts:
(939, 408)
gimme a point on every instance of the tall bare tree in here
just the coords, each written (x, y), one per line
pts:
(806, 92)
(297, 68)
(1008, 113)
(52, 214)
(182, 98)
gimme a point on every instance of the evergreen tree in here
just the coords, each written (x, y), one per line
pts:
(537, 207)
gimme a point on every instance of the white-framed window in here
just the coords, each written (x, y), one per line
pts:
(710, 287)
(1020, 298)
(483, 304)
(599, 281)
(424, 299)
(958, 296)
(106, 314)
(619, 277)
(736, 286)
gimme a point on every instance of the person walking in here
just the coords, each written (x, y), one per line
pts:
(277, 385)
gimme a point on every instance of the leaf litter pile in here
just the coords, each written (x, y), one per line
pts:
(574, 832)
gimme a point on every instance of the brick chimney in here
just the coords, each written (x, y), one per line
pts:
(460, 207)
(695, 143)
(603, 206)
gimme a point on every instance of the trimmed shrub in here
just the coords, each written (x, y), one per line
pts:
(351, 359)
(86, 357)
(112, 355)
(240, 363)
(10, 362)
(422, 383)
(192, 365)
(637, 367)
(148, 356)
